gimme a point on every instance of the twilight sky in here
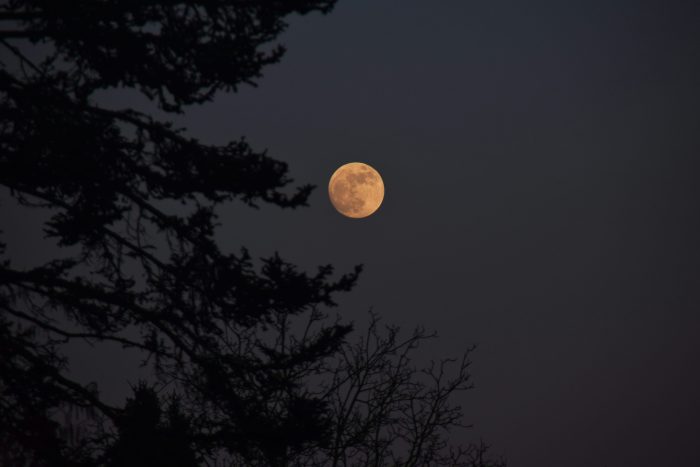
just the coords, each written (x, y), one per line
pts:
(541, 166)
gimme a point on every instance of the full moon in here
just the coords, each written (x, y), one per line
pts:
(356, 190)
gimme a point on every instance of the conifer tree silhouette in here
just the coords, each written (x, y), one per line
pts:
(221, 331)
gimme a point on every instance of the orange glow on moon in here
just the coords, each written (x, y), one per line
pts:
(356, 190)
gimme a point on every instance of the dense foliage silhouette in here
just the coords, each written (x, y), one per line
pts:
(249, 368)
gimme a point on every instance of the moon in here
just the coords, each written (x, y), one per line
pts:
(356, 190)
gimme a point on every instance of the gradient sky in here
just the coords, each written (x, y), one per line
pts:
(541, 166)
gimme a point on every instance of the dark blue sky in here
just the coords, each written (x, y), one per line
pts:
(541, 166)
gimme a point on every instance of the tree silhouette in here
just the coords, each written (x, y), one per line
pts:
(147, 435)
(250, 369)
